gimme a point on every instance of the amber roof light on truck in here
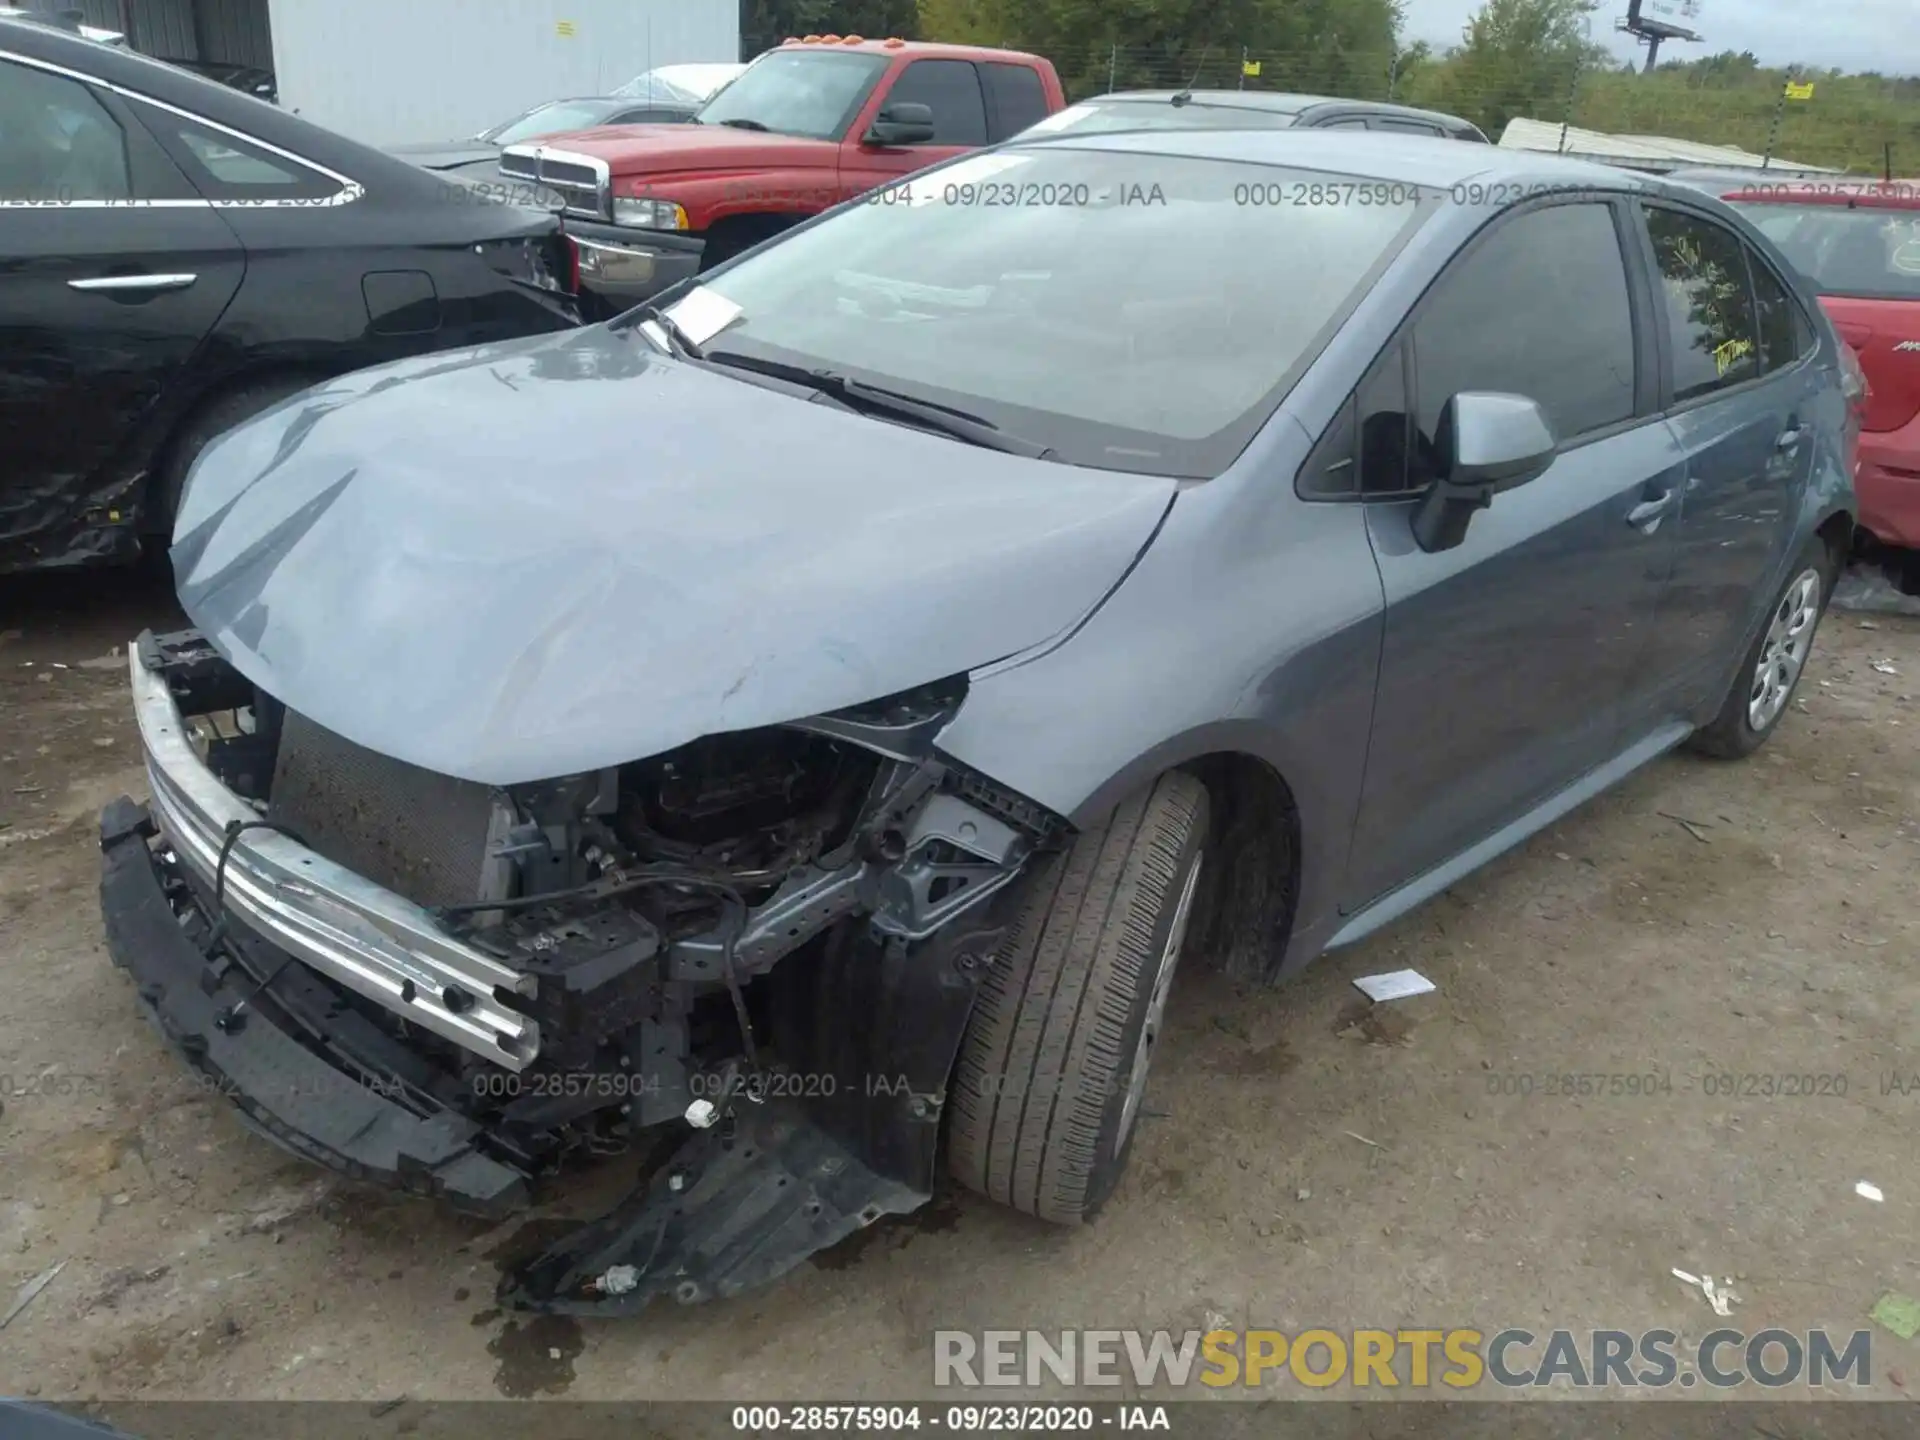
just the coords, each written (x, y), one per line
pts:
(892, 42)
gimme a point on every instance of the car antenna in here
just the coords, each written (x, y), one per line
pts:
(1185, 96)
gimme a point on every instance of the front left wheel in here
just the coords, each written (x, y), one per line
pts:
(1052, 1075)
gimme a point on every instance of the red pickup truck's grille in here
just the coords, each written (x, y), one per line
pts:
(583, 182)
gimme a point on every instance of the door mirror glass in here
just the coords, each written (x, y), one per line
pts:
(902, 123)
(1488, 442)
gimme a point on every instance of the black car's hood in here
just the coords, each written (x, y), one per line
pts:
(544, 557)
(446, 154)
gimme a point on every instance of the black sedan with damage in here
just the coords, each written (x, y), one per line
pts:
(176, 256)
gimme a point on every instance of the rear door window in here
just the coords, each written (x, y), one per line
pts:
(1707, 301)
(58, 145)
(1404, 126)
(1015, 97)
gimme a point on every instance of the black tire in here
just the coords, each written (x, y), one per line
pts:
(1039, 1118)
(1733, 735)
(212, 422)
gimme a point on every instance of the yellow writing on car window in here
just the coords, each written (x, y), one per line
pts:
(1731, 353)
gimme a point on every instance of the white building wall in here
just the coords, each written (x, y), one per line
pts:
(392, 72)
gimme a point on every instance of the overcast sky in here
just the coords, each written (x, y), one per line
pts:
(1852, 34)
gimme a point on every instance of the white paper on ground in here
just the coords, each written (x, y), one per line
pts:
(1394, 985)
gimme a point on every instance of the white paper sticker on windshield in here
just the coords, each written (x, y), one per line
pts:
(701, 314)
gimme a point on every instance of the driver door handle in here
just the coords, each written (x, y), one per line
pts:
(1648, 514)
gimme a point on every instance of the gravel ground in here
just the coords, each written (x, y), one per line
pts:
(1306, 1163)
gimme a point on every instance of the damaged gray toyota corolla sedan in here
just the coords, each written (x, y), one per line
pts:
(789, 733)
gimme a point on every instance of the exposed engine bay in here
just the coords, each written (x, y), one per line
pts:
(757, 950)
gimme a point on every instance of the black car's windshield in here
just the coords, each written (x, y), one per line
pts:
(1127, 311)
(810, 93)
(1869, 252)
(1095, 117)
(551, 119)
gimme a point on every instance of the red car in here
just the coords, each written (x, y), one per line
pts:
(1858, 241)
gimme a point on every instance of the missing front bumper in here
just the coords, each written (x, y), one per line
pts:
(736, 1207)
(282, 1089)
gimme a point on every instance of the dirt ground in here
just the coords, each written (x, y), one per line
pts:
(1305, 1164)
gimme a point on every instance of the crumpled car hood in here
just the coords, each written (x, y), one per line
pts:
(547, 556)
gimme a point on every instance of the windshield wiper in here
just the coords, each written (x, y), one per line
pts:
(876, 400)
(747, 125)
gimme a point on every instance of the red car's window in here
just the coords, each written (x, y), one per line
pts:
(1868, 253)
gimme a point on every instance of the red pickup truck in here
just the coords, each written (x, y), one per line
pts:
(807, 125)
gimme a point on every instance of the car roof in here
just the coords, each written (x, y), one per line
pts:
(916, 49)
(1273, 102)
(1873, 194)
(141, 76)
(1363, 154)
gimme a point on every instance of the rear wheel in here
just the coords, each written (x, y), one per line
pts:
(1053, 1070)
(1772, 669)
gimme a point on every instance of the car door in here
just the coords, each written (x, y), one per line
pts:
(1508, 661)
(1741, 387)
(951, 90)
(112, 272)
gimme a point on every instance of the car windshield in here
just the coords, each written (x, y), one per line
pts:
(550, 119)
(1867, 252)
(1094, 117)
(654, 86)
(810, 93)
(1130, 312)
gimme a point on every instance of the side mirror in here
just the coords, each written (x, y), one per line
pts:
(904, 123)
(1488, 442)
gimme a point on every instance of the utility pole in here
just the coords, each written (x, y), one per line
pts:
(1243, 69)
(1393, 75)
(1113, 64)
